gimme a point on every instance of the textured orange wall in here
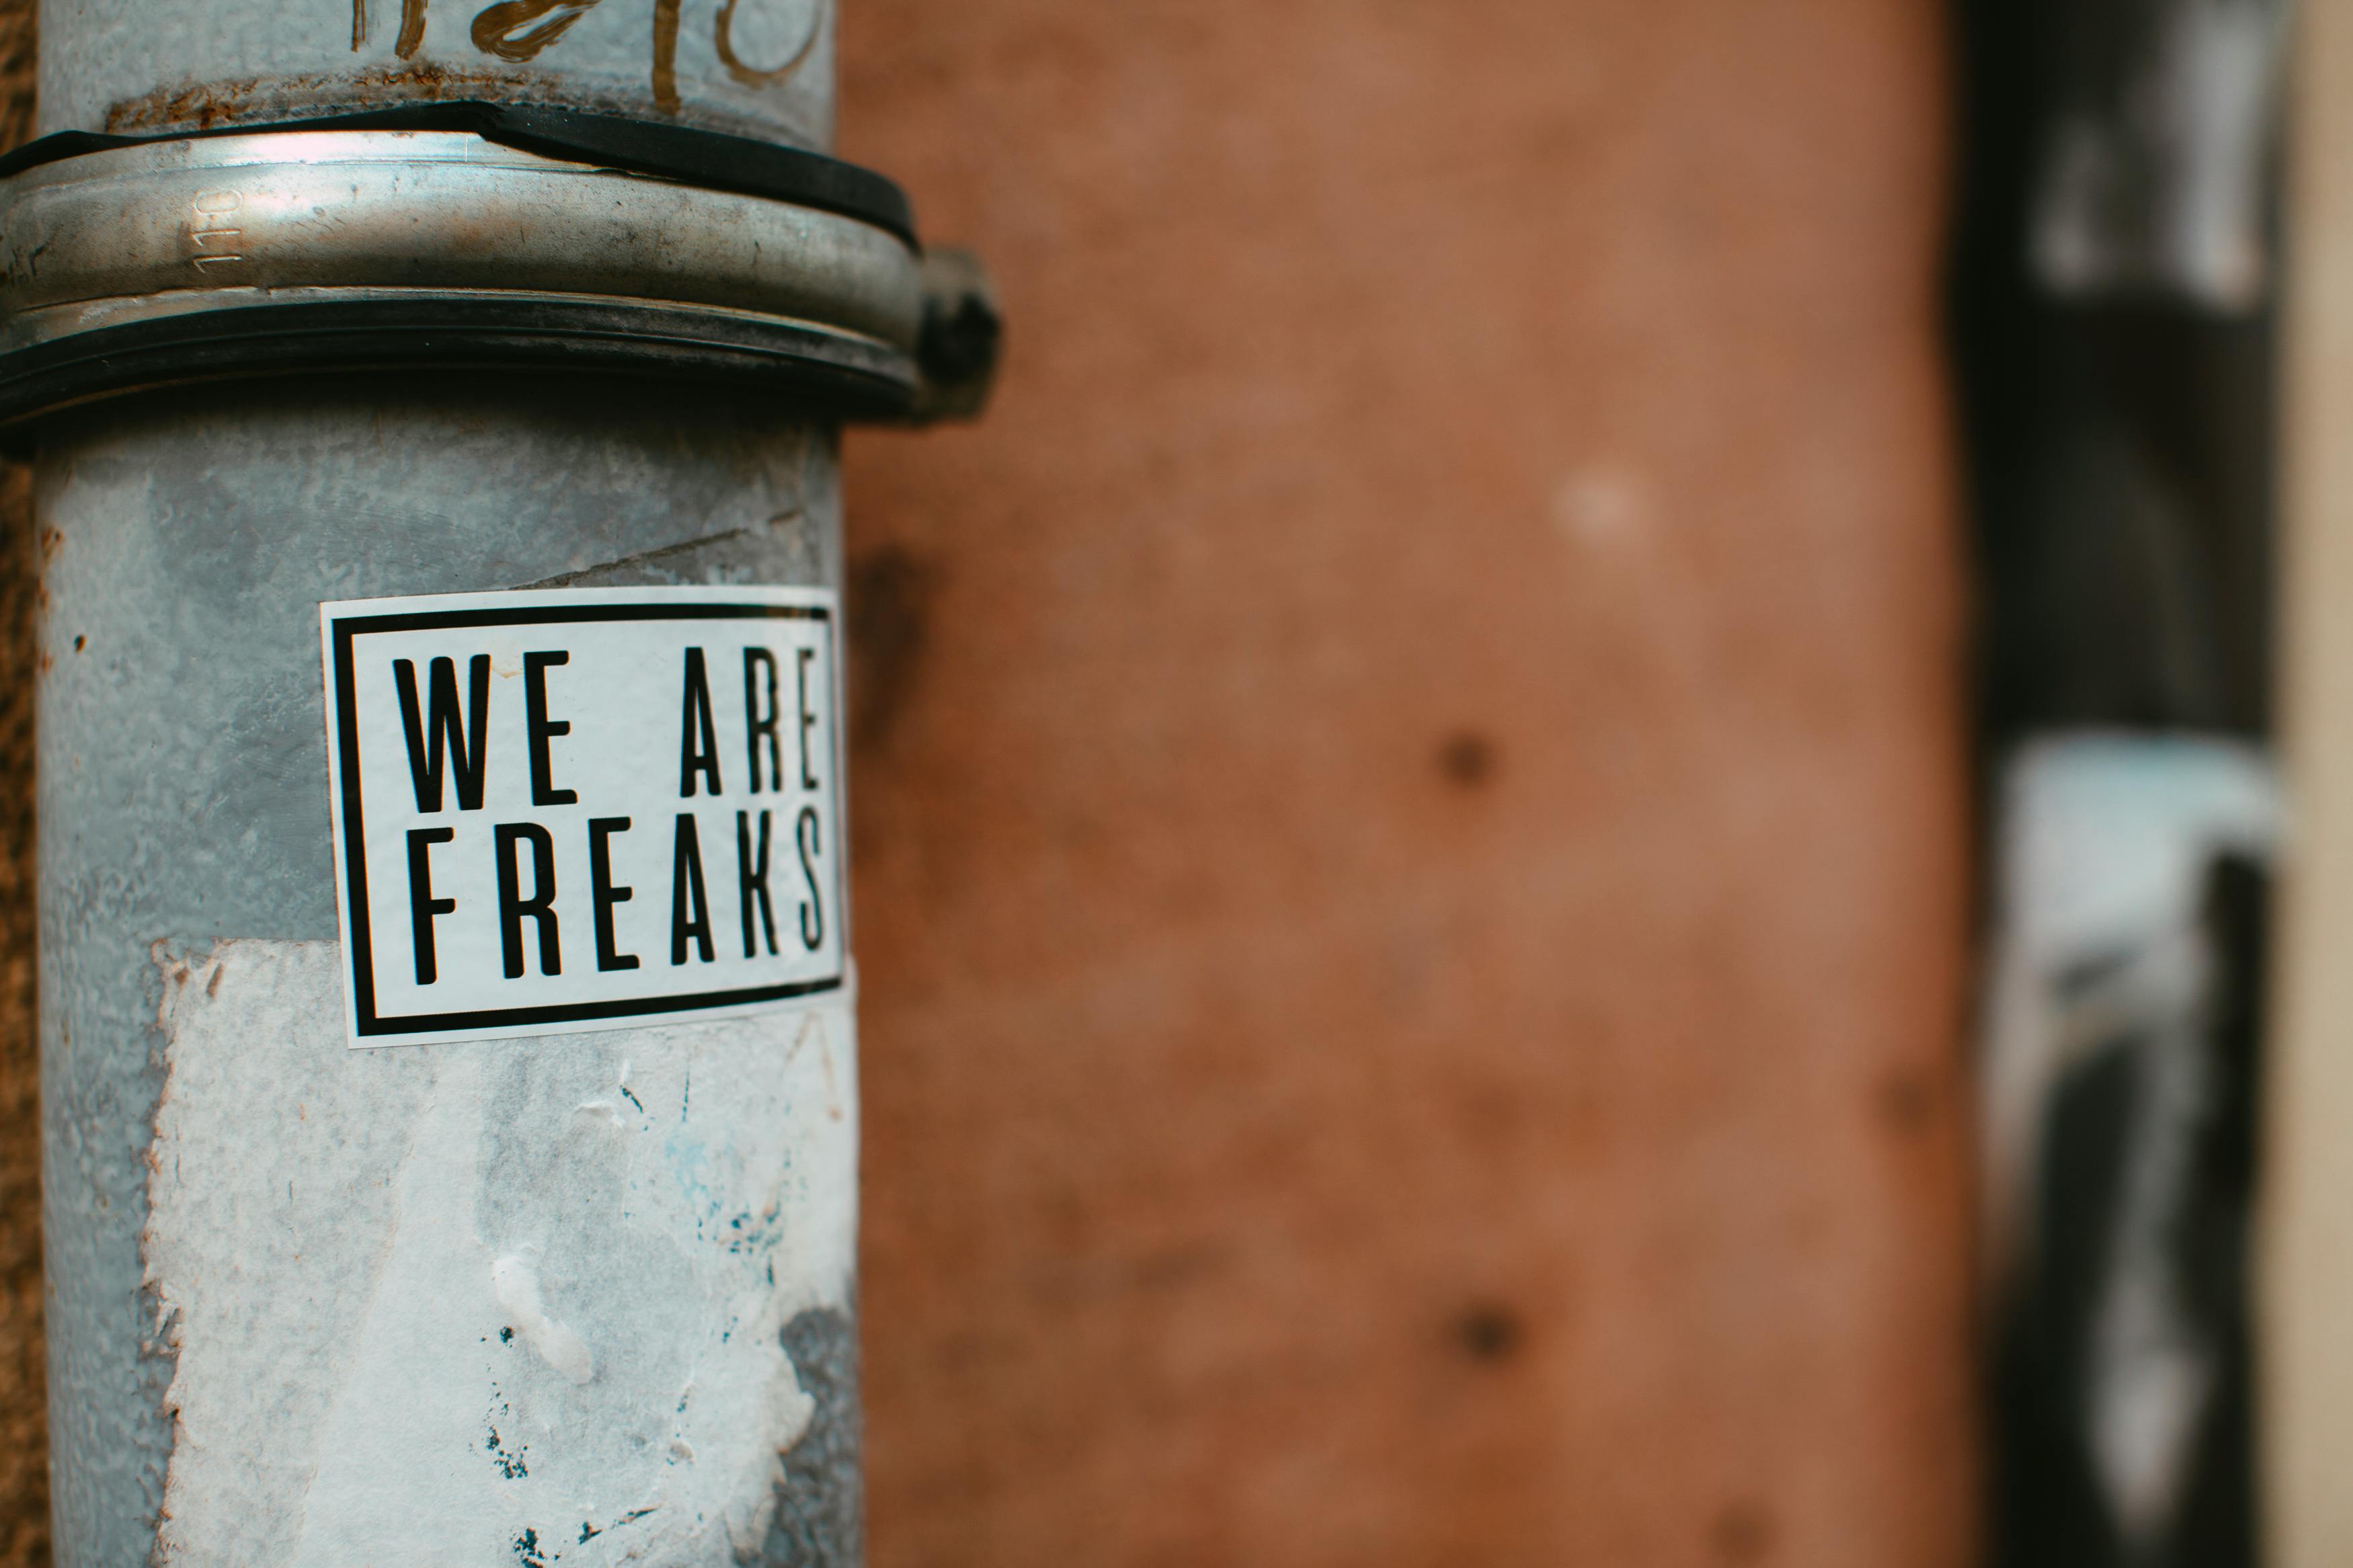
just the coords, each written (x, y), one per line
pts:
(1410, 793)
(24, 1449)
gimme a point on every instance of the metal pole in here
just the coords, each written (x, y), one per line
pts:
(438, 1167)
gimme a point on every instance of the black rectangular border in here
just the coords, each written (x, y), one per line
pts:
(358, 936)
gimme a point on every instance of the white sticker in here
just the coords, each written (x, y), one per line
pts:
(583, 809)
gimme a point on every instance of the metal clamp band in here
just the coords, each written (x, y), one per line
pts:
(699, 157)
(162, 262)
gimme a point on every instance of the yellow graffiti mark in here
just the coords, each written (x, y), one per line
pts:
(666, 56)
(411, 30)
(520, 30)
(723, 34)
(499, 30)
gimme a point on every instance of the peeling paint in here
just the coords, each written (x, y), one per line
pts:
(504, 1278)
(516, 1281)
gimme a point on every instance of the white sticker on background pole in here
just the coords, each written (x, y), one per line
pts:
(583, 809)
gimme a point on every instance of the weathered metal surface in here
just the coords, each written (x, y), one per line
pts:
(437, 1193)
(759, 67)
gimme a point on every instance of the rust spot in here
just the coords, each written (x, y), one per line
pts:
(255, 98)
(1170, 1270)
(1906, 1100)
(1489, 1332)
(890, 615)
(80, 643)
(200, 105)
(1742, 1531)
(1467, 759)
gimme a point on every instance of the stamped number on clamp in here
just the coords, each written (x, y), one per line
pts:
(212, 231)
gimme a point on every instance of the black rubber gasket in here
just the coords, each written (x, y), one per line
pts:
(847, 378)
(708, 158)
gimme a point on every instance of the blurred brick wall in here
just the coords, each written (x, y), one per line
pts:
(24, 1449)
(1410, 791)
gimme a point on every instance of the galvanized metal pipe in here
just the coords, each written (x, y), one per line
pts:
(512, 1296)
